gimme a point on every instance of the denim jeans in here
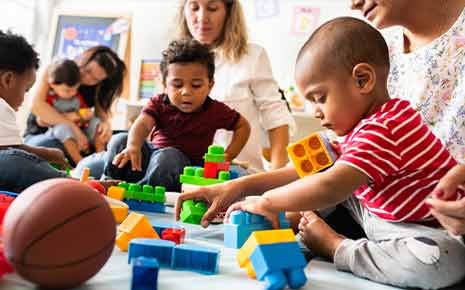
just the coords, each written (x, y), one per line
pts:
(95, 162)
(20, 169)
(160, 166)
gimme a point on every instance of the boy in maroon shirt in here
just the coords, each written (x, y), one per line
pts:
(181, 122)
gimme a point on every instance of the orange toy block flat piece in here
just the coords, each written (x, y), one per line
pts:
(311, 154)
(134, 226)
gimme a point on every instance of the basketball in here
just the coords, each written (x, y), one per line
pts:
(58, 233)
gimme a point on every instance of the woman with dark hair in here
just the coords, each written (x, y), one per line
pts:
(101, 72)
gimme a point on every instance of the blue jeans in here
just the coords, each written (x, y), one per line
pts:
(28, 169)
(95, 162)
(160, 166)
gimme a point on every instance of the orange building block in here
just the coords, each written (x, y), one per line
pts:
(116, 192)
(311, 154)
(134, 226)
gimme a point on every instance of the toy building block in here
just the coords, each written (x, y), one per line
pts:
(144, 273)
(311, 154)
(196, 258)
(6, 199)
(214, 154)
(194, 175)
(134, 226)
(160, 227)
(274, 256)
(162, 250)
(5, 266)
(242, 224)
(144, 198)
(96, 185)
(116, 192)
(85, 174)
(192, 212)
(212, 169)
(145, 206)
(176, 235)
(119, 212)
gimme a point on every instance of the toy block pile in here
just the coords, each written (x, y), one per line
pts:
(311, 154)
(273, 256)
(242, 224)
(216, 169)
(140, 198)
(179, 257)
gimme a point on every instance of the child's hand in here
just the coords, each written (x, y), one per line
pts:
(82, 141)
(260, 205)
(56, 156)
(132, 154)
(72, 116)
(447, 187)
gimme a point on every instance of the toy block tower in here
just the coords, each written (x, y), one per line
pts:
(137, 197)
(311, 154)
(242, 224)
(273, 256)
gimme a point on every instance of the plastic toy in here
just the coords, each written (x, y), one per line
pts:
(134, 226)
(176, 235)
(311, 154)
(195, 176)
(273, 256)
(54, 222)
(96, 185)
(140, 198)
(6, 198)
(186, 257)
(192, 212)
(144, 273)
(242, 224)
(85, 174)
(5, 267)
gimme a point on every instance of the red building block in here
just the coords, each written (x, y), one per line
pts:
(223, 166)
(96, 185)
(5, 201)
(174, 235)
(210, 170)
(5, 267)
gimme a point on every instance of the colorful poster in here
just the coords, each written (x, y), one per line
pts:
(305, 19)
(266, 9)
(76, 38)
(150, 82)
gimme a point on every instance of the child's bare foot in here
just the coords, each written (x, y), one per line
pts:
(318, 236)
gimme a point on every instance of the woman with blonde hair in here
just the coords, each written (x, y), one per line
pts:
(243, 77)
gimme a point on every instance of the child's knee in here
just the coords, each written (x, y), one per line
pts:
(118, 140)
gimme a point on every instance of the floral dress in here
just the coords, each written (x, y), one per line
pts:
(432, 78)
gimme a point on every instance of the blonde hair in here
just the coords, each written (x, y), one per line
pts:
(232, 43)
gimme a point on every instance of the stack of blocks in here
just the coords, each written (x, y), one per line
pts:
(182, 257)
(141, 198)
(144, 273)
(242, 224)
(273, 256)
(134, 226)
(311, 154)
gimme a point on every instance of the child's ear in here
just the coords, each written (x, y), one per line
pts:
(364, 76)
(211, 84)
(7, 79)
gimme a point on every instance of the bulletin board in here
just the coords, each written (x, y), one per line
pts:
(73, 32)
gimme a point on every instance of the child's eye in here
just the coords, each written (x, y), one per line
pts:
(320, 99)
(212, 8)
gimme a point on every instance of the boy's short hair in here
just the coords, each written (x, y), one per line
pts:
(346, 42)
(64, 71)
(187, 51)
(16, 54)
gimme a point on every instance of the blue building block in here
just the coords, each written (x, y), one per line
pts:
(145, 206)
(242, 224)
(144, 273)
(196, 258)
(162, 250)
(159, 227)
(279, 264)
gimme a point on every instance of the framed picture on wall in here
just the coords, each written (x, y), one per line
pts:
(150, 81)
(73, 32)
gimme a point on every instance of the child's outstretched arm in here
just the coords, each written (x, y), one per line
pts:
(137, 135)
(241, 133)
(313, 192)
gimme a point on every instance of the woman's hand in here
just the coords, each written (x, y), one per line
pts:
(104, 131)
(218, 197)
(258, 205)
(132, 154)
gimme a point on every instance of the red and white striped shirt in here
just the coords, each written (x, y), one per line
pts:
(402, 158)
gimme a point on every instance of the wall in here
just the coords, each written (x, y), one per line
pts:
(153, 26)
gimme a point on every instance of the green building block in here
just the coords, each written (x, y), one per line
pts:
(194, 175)
(215, 154)
(143, 193)
(192, 212)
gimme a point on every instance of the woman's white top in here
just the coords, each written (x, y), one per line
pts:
(9, 130)
(432, 78)
(249, 87)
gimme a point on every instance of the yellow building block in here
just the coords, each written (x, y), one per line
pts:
(134, 226)
(261, 238)
(119, 212)
(311, 154)
(116, 192)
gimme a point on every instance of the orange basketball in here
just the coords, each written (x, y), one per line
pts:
(58, 233)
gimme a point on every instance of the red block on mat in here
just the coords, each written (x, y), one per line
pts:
(175, 235)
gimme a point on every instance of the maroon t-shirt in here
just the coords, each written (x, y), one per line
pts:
(191, 133)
